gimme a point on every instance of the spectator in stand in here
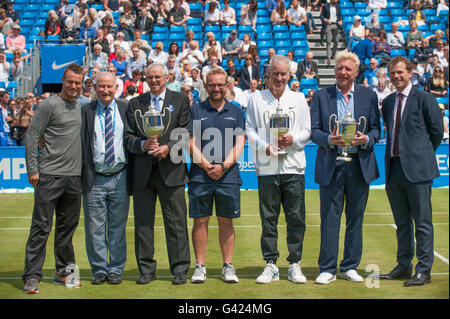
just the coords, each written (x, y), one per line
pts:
(381, 48)
(173, 84)
(144, 22)
(307, 68)
(279, 14)
(120, 64)
(53, 24)
(189, 37)
(376, 4)
(4, 69)
(356, 32)
(193, 54)
(22, 120)
(249, 72)
(174, 51)
(128, 14)
(433, 61)
(82, 8)
(115, 46)
(212, 43)
(112, 5)
(134, 80)
(96, 18)
(238, 93)
(271, 53)
(123, 44)
(18, 63)
(231, 46)
(296, 15)
(233, 72)
(108, 21)
(441, 6)
(438, 35)
(249, 92)
(249, 14)
(413, 37)
(126, 29)
(374, 25)
(417, 14)
(271, 5)
(178, 15)
(161, 16)
(437, 84)
(136, 62)
(62, 9)
(130, 93)
(186, 69)
(98, 59)
(6, 23)
(172, 65)
(395, 37)
(295, 86)
(439, 51)
(227, 14)
(418, 73)
(197, 84)
(331, 15)
(15, 40)
(213, 64)
(294, 65)
(247, 41)
(2, 41)
(381, 90)
(100, 39)
(158, 55)
(69, 33)
(370, 75)
(212, 15)
(11, 13)
(87, 31)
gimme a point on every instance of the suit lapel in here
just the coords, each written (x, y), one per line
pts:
(408, 106)
(332, 100)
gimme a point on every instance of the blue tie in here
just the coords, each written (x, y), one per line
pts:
(156, 100)
(109, 138)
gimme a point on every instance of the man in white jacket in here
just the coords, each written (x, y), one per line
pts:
(281, 179)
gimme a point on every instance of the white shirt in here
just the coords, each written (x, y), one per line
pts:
(333, 16)
(246, 96)
(158, 58)
(190, 55)
(294, 104)
(375, 4)
(296, 14)
(405, 93)
(214, 16)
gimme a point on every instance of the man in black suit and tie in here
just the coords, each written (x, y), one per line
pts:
(162, 174)
(343, 181)
(104, 181)
(415, 130)
(308, 66)
(144, 22)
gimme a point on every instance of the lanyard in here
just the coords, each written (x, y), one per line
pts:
(100, 117)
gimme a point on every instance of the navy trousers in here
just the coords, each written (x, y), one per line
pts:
(347, 186)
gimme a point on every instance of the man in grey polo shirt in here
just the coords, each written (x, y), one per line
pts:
(55, 173)
(231, 46)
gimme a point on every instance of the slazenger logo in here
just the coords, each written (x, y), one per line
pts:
(57, 67)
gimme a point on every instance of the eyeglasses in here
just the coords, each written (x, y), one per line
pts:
(219, 85)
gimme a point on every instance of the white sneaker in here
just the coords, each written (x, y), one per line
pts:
(295, 274)
(351, 275)
(229, 274)
(199, 275)
(325, 278)
(269, 274)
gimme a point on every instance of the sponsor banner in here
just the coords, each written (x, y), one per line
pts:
(55, 58)
(13, 173)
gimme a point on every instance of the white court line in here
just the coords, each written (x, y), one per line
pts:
(235, 226)
(250, 215)
(445, 260)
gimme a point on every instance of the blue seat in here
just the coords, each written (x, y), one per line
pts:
(404, 27)
(294, 28)
(160, 29)
(209, 28)
(196, 28)
(263, 53)
(228, 28)
(300, 53)
(300, 44)
(262, 13)
(348, 12)
(282, 51)
(363, 12)
(394, 5)
(196, 6)
(194, 21)
(281, 27)
(177, 36)
(281, 35)
(29, 15)
(298, 36)
(397, 52)
(423, 27)
(160, 36)
(262, 44)
(443, 13)
(383, 12)
(263, 20)
(346, 4)
(262, 28)
(360, 5)
(308, 84)
(245, 28)
(97, 6)
(283, 44)
(429, 12)
(265, 36)
(435, 27)
(177, 29)
(397, 12)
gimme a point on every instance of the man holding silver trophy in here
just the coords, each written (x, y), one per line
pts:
(278, 129)
(345, 124)
(159, 171)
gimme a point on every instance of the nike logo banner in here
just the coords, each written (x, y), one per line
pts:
(55, 59)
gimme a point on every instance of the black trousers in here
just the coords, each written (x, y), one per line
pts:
(174, 211)
(60, 195)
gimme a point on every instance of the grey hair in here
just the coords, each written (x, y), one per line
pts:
(165, 71)
(279, 59)
(106, 73)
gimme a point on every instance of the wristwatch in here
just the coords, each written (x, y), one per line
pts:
(224, 168)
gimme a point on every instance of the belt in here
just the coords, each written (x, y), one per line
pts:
(111, 174)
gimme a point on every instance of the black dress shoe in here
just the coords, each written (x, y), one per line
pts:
(419, 279)
(98, 279)
(114, 279)
(179, 279)
(145, 279)
(396, 273)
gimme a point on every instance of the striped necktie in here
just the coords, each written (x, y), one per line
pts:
(109, 138)
(156, 100)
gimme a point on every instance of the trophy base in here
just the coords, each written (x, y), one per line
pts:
(344, 158)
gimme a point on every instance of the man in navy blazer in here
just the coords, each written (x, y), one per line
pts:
(342, 181)
(415, 130)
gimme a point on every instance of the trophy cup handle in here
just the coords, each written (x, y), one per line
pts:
(365, 123)
(329, 122)
(292, 114)
(266, 118)
(137, 122)
(168, 122)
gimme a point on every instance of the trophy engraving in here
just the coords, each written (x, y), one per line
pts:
(347, 128)
(152, 122)
(279, 123)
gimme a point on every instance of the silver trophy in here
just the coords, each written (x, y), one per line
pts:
(279, 123)
(347, 128)
(152, 122)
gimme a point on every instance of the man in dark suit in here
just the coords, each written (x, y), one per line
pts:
(162, 174)
(343, 181)
(332, 20)
(104, 181)
(415, 129)
(144, 22)
(308, 66)
(249, 72)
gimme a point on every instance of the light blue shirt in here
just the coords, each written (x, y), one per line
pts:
(120, 159)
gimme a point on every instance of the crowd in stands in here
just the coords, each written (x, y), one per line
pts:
(124, 37)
